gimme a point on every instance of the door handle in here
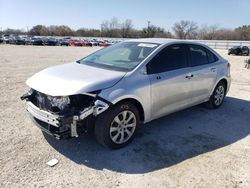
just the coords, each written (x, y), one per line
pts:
(213, 69)
(190, 76)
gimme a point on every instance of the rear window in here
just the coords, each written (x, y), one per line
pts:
(211, 57)
(201, 56)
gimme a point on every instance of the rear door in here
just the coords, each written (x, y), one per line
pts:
(204, 71)
(169, 75)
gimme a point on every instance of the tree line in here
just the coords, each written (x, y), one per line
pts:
(114, 28)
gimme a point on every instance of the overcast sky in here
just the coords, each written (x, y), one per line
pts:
(24, 14)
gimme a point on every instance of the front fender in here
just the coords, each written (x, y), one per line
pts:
(131, 88)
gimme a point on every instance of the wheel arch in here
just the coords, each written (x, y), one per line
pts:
(137, 104)
(224, 80)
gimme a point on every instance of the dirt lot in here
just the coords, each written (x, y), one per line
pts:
(196, 147)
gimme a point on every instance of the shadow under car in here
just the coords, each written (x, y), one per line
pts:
(166, 141)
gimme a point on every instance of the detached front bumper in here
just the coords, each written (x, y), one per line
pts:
(66, 125)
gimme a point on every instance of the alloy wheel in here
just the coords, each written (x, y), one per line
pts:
(123, 127)
(219, 95)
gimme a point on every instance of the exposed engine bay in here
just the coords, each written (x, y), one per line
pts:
(64, 116)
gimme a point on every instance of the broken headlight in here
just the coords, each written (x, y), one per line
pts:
(59, 102)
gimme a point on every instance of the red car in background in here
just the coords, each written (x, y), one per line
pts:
(87, 43)
(75, 43)
(104, 44)
(79, 43)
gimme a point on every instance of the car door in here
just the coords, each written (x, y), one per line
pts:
(169, 76)
(204, 71)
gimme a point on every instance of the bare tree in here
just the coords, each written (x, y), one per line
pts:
(83, 32)
(126, 28)
(64, 30)
(111, 28)
(114, 23)
(12, 31)
(39, 30)
(185, 29)
(243, 32)
(208, 32)
(226, 34)
(115, 28)
(154, 31)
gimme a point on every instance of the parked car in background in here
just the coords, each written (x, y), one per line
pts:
(87, 43)
(11, 40)
(6, 38)
(37, 41)
(28, 40)
(75, 43)
(95, 42)
(64, 42)
(19, 40)
(1, 39)
(239, 50)
(105, 43)
(50, 41)
(115, 89)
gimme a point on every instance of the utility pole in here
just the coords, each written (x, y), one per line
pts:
(148, 24)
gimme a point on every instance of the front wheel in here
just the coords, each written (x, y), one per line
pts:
(218, 96)
(116, 127)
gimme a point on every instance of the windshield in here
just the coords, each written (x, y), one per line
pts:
(122, 56)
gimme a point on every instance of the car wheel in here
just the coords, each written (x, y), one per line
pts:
(116, 127)
(218, 96)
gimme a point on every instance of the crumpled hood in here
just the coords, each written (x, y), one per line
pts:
(73, 78)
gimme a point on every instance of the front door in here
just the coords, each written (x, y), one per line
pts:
(170, 75)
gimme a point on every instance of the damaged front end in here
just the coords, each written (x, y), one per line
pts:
(66, 116)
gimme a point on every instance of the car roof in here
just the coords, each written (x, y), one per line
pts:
(153, 40)
(163, 41)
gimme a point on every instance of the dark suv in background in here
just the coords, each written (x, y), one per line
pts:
(239, 50)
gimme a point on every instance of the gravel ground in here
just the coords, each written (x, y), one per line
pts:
(196, 147)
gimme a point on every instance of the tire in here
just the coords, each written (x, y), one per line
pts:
(109, 120)
(218, 96)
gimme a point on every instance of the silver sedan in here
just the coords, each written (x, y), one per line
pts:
(116, 88)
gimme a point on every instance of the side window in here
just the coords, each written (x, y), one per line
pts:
(211, 57)
(171, 58)
(198, 55)
(245, 48)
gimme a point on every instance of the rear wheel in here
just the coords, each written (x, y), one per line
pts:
(218, 96)
(116, 127)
